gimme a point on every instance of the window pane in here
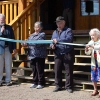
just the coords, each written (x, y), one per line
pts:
(95, 8)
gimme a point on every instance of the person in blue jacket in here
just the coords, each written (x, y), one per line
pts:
(64, 55)
(37, 54)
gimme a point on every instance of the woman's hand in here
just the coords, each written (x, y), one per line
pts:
(24, 44)
(91, 46)
(88, 46)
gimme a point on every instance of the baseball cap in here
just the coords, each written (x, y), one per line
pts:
(59, 18)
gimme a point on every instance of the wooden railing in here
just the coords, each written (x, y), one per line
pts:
(9, 9)
(23, 24)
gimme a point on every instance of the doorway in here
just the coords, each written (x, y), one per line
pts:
(49, 10)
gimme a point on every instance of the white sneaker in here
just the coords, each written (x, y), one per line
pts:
(33, 86)
(40, 87)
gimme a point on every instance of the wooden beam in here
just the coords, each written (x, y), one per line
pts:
(21, 5)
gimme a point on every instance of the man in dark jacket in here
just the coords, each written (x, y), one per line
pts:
(6, 50)
(64, 54)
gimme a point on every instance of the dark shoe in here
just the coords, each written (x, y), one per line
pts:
(95, 93)
(8, 84)
(57, 89)
(70, 90)
(0, 84)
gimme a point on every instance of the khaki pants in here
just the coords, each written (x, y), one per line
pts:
(6, 60)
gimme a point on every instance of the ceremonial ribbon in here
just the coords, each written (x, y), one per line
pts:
(38, 41)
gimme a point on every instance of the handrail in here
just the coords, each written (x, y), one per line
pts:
(23, 23)
(9, 2)
(10, 9)
(22, 14)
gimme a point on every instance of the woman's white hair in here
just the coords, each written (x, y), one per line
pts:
(2, 15)
(39, 23)
(96, 31)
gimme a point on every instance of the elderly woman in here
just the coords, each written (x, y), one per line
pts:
(93, 49)
(37, 54)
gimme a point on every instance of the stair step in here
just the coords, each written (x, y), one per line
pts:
(22, 54)
(52, 70)
(78, 64)
(30, 69)
(51, 49)
(78, 56)
(21, 60)
(79, 48)
(46, 62)
(82, 72)
(82, 64)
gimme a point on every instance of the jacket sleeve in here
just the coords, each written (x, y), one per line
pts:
(97, 47)
(53, 36)
(41, 37)
(0, 34)
(68, 37)
(13, 37)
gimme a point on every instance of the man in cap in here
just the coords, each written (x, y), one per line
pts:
(64, 55)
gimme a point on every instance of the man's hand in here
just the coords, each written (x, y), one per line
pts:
(2, 28)
(15, 51)
(55, 41)
(53, 46)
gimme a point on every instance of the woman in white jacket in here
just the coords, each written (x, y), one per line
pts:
(93, 49)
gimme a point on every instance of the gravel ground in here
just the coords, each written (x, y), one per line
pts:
(23, 92)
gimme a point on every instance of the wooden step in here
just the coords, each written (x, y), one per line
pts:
(46, 62)
(30, 69)
(81, 72)
(79, 48)
(48, 48)
(52, 79)
(78, 56)
(22, 54)
(52, 70)
(21, 60)
(78, 64)
(82, 56)
(82, 64)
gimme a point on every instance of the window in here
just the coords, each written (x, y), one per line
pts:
(89, 7)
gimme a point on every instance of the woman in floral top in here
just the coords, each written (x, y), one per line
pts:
(93, 49)
(37, 54)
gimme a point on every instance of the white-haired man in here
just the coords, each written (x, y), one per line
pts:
(6, 49)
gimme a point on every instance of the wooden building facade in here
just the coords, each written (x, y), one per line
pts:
(50, 9)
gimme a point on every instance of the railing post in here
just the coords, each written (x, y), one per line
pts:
(21, 5)
(38, 10)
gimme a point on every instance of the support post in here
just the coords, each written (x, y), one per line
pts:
(21, 5)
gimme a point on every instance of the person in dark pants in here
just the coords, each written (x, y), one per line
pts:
(68, 12)
(64, 54)
(37, 54)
